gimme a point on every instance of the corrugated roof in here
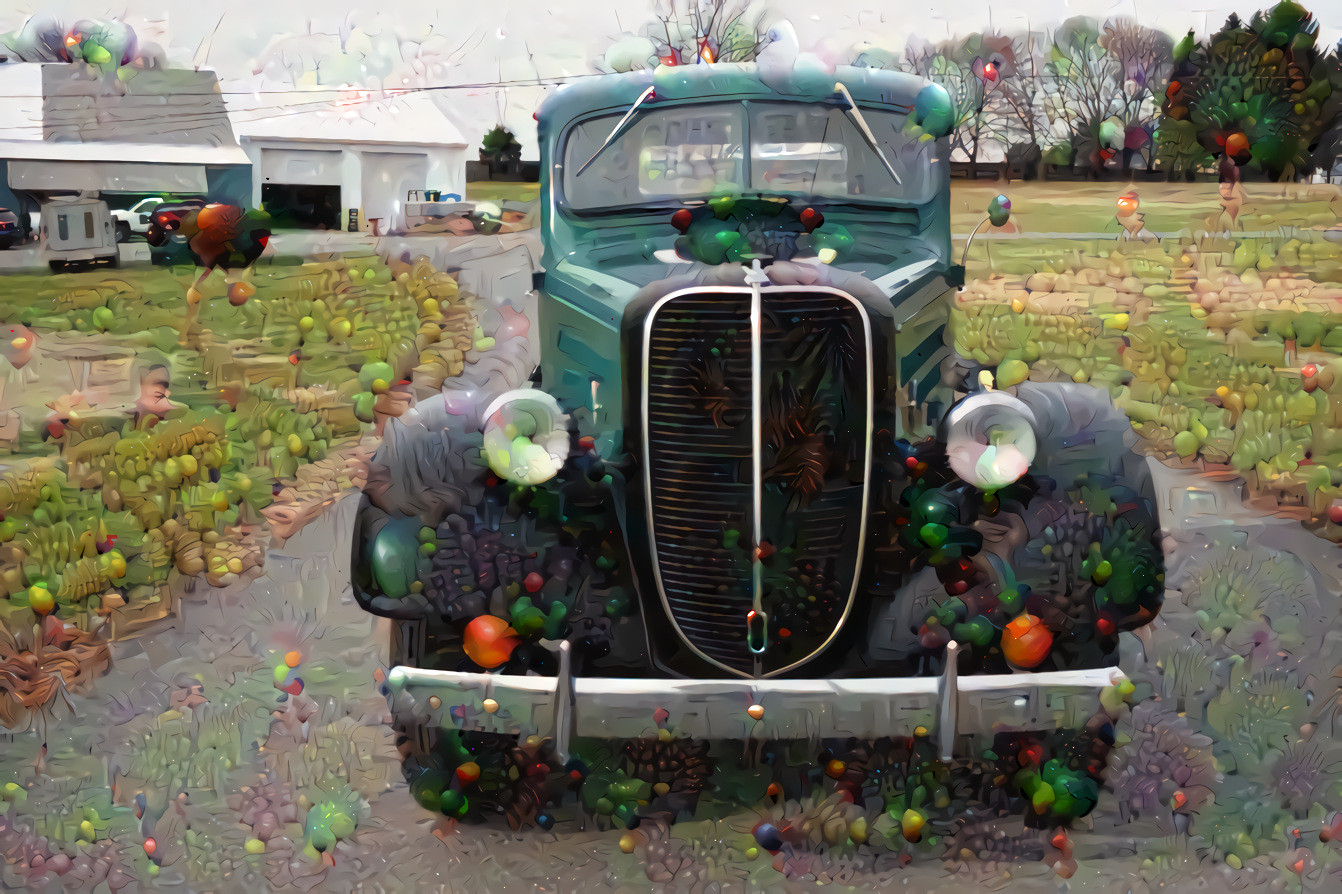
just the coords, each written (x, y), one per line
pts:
(59, 102)
(105, 150)
(352, 116)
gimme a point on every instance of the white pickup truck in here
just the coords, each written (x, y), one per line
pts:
(135, 220)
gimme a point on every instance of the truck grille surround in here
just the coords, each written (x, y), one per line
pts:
(757, 416)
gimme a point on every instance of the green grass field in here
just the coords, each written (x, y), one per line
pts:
(1223, 349)
(261, 387)
(495, 191)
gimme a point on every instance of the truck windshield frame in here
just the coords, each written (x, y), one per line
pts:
(811, 150)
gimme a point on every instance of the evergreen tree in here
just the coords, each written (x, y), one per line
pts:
(1260, 94)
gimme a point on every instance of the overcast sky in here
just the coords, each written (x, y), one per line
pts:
(261, 43)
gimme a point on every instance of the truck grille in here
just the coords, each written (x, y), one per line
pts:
(714, 387)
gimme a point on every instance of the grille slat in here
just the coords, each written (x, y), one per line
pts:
(814, 381)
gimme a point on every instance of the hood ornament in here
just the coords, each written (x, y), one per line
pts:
(755, 274)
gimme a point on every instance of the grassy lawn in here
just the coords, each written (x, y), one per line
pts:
(1222, 349)
(493, 191)
(260, 386)
(1071, 207)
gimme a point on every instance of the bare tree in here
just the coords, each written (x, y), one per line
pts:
(710, 31)
(1020, 99)
(1088, 98)
(970, 71)
(686, 32)
(1144, 57)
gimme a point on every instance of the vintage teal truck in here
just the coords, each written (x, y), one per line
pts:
(751, 493)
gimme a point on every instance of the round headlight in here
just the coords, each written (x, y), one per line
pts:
(990, 439)
(526, 438)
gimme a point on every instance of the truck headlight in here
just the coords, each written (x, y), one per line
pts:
(990, 439)
(526, 436)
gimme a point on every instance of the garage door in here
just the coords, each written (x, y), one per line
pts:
(304, 167)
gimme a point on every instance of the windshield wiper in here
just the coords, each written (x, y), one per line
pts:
(619, 128)
(861, 122)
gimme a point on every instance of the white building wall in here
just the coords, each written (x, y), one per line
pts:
(351, 186)
(447, 169)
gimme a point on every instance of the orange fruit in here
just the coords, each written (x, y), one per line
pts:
(489, 641)
(1026, 641)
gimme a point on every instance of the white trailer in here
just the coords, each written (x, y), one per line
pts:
(78, 229)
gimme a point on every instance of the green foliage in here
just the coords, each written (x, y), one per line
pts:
(499, 143)
(1258, 94)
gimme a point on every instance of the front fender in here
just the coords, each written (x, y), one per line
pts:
(1075, 544)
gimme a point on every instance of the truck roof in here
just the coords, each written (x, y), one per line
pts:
(722, 80)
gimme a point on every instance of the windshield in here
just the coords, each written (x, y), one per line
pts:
(693, 152)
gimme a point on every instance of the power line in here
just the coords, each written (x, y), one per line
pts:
(537, 81)
(239, 115)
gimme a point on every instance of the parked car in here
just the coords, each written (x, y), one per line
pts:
(166, 246)
(11, 229)
(751, 492)
(78, 230)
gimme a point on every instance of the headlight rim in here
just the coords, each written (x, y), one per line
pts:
(979, 402)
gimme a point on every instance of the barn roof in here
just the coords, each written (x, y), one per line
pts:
(345, 116)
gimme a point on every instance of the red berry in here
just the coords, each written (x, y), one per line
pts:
(1335, 512)
(1309, 370)
(682, 219)
(533, 582)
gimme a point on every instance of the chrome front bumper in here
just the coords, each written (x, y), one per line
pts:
(602, 707)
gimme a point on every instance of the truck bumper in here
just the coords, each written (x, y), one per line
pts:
(563, 706)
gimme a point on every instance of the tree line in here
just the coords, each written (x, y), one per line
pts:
(1257, 98)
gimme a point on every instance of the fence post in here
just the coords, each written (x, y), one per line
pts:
(950, 702)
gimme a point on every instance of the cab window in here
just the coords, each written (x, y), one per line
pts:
(672, 153)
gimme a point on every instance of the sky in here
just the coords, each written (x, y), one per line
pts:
(259, 47)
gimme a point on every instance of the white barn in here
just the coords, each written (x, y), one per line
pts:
(315, 161)
(64, 130)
